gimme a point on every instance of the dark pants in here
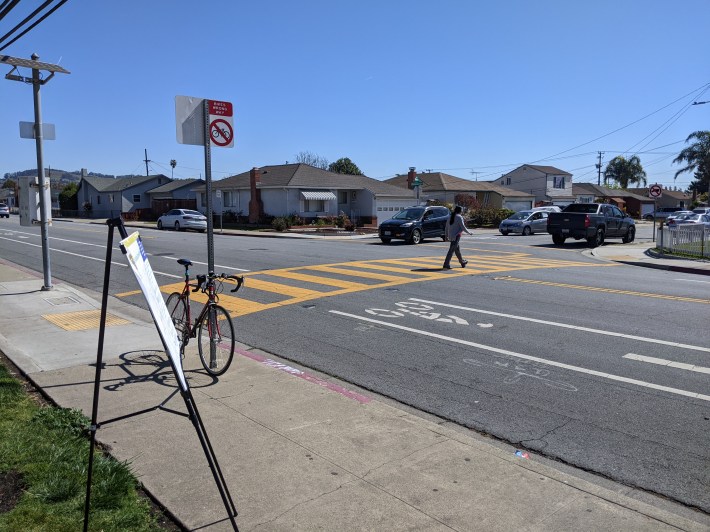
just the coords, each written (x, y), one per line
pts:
(453, 248)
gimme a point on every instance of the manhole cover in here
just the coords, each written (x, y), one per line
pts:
(56, 301)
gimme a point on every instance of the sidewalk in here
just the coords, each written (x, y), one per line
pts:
(299, 451)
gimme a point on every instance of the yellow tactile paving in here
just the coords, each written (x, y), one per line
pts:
(83, 320)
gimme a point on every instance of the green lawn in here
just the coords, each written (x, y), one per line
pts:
(44, 452)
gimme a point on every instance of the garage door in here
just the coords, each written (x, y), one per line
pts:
(517, 205)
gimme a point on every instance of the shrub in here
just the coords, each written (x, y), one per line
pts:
(280, 223)
(488, 216)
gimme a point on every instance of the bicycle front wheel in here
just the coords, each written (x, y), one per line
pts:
(215, 340)
(178, 312)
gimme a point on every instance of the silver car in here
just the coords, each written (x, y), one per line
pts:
(525, 223)
(181, 219)
(4, 211)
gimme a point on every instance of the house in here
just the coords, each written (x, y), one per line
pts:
(307, 191)
(634, 204)
(176, 194)
(444, 188)
(105, 197)
(669, 198)
(549, 185)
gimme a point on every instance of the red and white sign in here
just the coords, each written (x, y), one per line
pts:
(221, 124)
(655, 191)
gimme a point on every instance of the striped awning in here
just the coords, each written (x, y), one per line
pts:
(317, 195)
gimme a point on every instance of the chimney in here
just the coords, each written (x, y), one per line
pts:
(84, 173)
(256, 207)
(410, 177)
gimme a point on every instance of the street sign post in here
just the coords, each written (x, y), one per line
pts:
(655, 191)
(205, 123)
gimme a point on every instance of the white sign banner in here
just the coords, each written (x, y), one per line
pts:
(132, 246)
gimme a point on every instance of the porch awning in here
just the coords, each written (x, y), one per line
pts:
(317, 195)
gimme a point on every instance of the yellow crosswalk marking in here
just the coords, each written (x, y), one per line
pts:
(315, 279)
(355, 273)
(278, 288)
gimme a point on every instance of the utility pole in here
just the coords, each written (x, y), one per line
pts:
(475, 174)
(146, 163)
(599, 169)
(37, 81)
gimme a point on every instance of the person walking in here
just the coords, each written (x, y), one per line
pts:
(455, 226)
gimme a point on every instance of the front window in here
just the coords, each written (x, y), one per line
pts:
(522, 215)
(314, 206)
(136, 198)
(409, 214)
(342, 196)
(558, 181)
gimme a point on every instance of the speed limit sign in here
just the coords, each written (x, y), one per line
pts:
(655, 191)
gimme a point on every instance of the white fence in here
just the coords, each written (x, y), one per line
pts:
(688, 239)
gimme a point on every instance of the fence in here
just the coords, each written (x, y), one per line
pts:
(693, 240)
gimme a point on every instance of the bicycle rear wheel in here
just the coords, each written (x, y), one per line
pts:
(215, 340)
(178, 312)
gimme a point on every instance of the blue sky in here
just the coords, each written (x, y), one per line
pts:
(470, 88)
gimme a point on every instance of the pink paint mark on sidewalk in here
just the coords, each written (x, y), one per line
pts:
(303, 375)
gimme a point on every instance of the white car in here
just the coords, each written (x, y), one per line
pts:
(181, 219)
(4, 211)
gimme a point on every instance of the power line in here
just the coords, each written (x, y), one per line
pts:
(43, 17)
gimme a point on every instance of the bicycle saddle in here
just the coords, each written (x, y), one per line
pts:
(185, 262)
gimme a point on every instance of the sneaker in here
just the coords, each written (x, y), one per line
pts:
(463, 264)
(446, 267)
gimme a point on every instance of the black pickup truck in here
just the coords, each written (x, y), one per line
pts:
(591, 221)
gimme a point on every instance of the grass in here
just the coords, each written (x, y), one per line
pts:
(47, 449)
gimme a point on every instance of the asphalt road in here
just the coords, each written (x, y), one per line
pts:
(544, 347)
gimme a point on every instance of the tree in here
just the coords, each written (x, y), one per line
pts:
(173, 164)
(344, 166)
(697, 160)
(625, 172)
(9, 183)
(306, 157)
(68, 199)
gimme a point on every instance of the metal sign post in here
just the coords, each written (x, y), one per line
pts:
(37, 81)
(655, 191)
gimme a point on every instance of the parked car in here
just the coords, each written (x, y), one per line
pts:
(691, 218)
(662, 213)
(525, 222)
(414, 224)
(702, 210)
(548, 208)
(181, 219)
(4, 211)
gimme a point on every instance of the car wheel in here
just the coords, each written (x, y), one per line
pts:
(597, 240)
(648, 217)
(443, 237)
(527, 231)
(203, 230)
(386, 240)
(416, 237)
(630, 235)
(177, 226)
(558, 240)
(160, 225)
(505, 233)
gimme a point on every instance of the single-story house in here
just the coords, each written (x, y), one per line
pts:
(549, 185)
(444, 188)
(669, 198)
(307, 191)
(176, 194)
(634, 204)
(108, 197)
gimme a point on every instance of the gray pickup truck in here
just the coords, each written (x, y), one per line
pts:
(592, 221)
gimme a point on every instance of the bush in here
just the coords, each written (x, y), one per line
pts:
(280, 223)
(488, 216)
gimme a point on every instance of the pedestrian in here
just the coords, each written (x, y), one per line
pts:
(455, 226)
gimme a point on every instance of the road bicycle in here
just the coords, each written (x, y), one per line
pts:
(213, 327)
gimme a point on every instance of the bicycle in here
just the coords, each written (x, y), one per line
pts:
(213, 327)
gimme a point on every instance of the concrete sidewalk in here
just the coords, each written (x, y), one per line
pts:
(299, 451)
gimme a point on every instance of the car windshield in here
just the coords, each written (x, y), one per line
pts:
(409, 214)
(192, 213)
(522, 215)
(685, 216)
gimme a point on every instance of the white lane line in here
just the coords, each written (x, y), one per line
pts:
(205, 264)
(692, 281)
(668, 363)
(568, 326)
(65, 252)
(562, 365)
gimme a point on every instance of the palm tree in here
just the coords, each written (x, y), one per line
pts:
(625, 171)
(173, 164)
(697, 160)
